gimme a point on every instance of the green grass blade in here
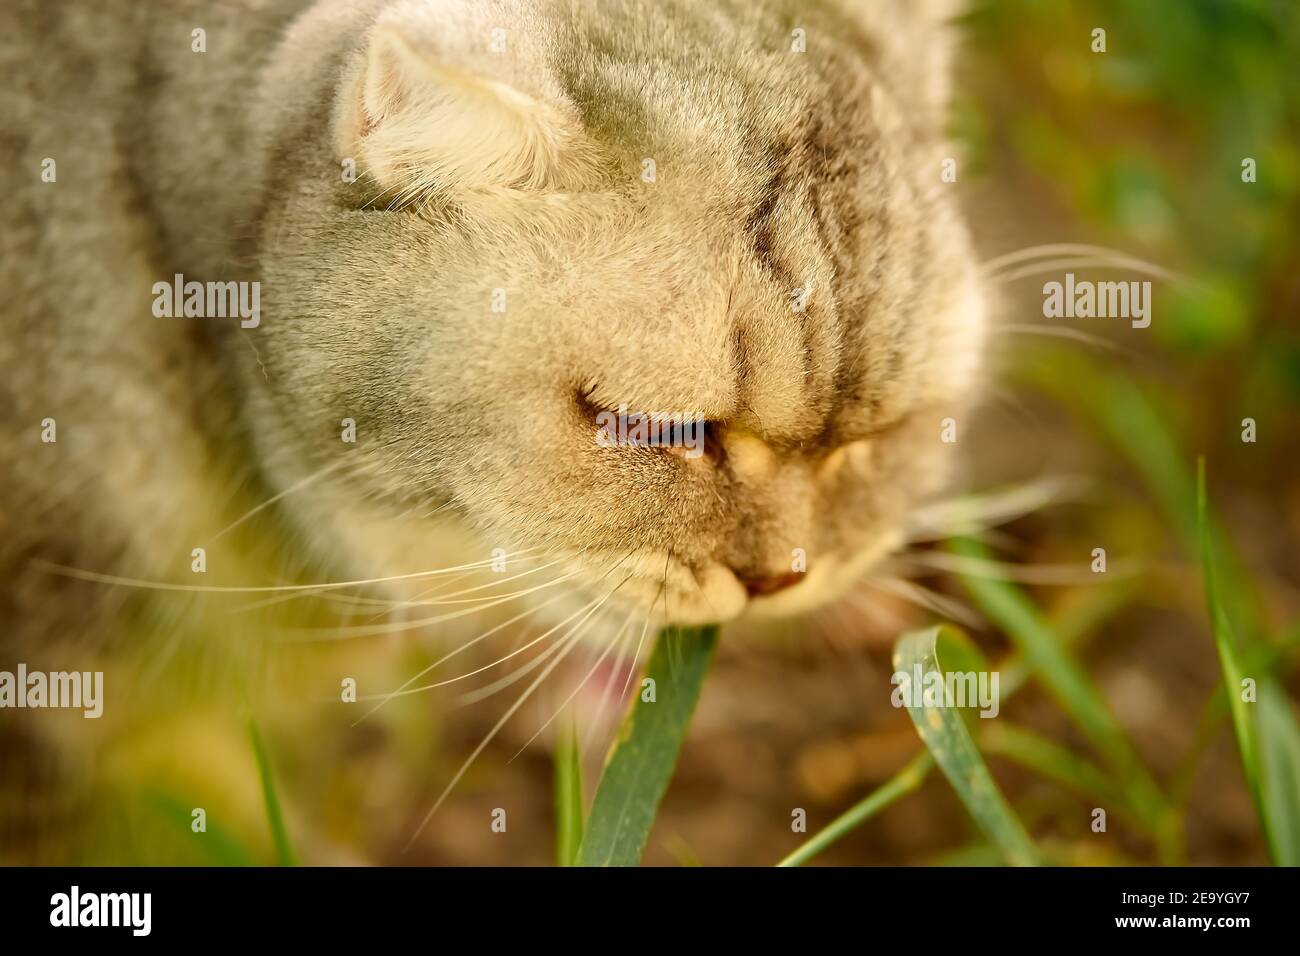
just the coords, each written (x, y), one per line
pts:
(642, 761)
(1050, 759)
(1233, 673)
(899, 785)
(1279, 752)
(1011, 609)
(222, 847)
(1015, 673)
(1135, 420)
(568, 798)
(1268, 737)
(977, 854)
(284, 855)
(1007, 606)
(945, 734)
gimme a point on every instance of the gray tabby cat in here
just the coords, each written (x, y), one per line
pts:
(560, 210)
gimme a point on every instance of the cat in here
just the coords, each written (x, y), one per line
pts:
(476, 227)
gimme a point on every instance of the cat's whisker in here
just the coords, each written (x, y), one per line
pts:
(417, 188)
(538, 552)
(1099, 263)
(488, 690)
(270, 501)
(496, 729)
(620, 640)
(404, 189)
(976, 514)
(337, 598)
(1073, 249)
(371, 630)
(392, 604)
(544, 551)
(452, 598)
(328, 597)
(1014, 405)
(1056, 331)
(572, 642)
(568, 700)
(636, 657)
(455, 597)
(1045, 574)
(129, 582)
(322, 591)
(406, 689)
(883, 618)
(438, 510)
(925, 598)
(372, 203)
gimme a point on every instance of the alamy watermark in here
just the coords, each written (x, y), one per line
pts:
(209, 300)
(951, 689)
(56, 689)
(1085, 299)
(75, 908)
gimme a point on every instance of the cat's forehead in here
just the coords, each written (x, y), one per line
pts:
(671, 319)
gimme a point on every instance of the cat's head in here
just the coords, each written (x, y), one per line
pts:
(560, 221)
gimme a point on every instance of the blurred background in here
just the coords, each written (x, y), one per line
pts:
(1091, 433)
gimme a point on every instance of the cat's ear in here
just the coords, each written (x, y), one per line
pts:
(419, 123)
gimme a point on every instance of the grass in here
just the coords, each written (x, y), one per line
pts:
(1006, 605)
(220, 847)
(568, 798)
(1267, 732)
(645, 753)
(895, 788)
(1252, 695)
(284, 855)
(1268, 738)
(944, 732)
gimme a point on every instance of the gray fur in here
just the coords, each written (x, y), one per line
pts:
(774, 169)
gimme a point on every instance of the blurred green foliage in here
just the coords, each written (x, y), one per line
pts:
(1141, 148)
(1145, 143)
(1145, 148)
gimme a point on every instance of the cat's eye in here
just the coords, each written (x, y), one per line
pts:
(689, 438)
(683, 435)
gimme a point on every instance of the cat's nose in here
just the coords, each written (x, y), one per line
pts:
(762, 585)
